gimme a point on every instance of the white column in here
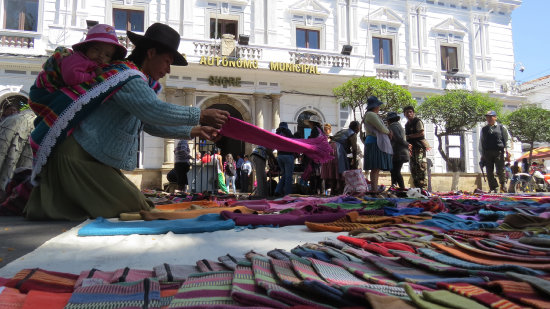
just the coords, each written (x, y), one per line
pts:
(170, 96)
(189, 96)
(259, 109)
(275, 110)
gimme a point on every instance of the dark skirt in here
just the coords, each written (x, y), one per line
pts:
(376, 159)
(75, 186)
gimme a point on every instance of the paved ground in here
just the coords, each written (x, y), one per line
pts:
(19, 236)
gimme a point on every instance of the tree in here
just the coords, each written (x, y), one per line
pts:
(529, 124)
(455, 112)
(354, 93)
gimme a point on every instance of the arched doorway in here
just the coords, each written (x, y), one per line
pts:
(301, 124)
(226, 144)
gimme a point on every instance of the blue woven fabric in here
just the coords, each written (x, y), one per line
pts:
(204, 223)
(394, 211)
(305, 252)
(448, 221)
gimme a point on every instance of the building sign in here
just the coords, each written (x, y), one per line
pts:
(224, 81)
(291, 67)
(230, 62)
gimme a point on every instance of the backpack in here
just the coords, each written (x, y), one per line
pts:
(230, 169)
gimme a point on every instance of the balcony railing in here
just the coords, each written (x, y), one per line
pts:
(387, 74)
(454, 81)
(329, 60)
(16, 41)
(214, 49)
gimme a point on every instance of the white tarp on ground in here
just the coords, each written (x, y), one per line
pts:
(72, 254)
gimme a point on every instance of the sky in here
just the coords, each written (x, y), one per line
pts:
(530, 24)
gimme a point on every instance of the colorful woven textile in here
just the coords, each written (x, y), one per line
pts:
(450, 260)
(354, 221)
(448, 221)
(535, 259)
(521, 292)
(433, 205)
(281, 254)
(230, 262)
(307, 252)
(487, 245)
(335, 274)
(42, 280)
(174, 273)
(386, 302)
(419, 301)
(205, 265)
(317, 148)
(119, 275)
(137, 294)
(444, 269)
(480, 295)
(11, 298)
(204, 223)
(207, 290)
(538, 283)
(410, 274)
(367, 271)
(474, 257)
(284, 272)
(451, 300)
(45, 300)
(188, 214)
(378, 289)
(60, 111)
(265, 278)
(246, 292)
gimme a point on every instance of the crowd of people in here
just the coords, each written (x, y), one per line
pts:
(77, 167)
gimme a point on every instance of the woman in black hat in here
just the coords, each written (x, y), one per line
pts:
(82, 176)
(378, 151)
(400, 148)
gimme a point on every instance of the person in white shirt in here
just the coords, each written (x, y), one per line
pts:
(246, 170)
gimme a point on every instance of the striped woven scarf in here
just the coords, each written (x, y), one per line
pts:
(60, 109)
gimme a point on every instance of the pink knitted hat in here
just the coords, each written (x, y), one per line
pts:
(102, 33)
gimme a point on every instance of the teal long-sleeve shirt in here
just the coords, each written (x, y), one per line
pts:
(110, 133)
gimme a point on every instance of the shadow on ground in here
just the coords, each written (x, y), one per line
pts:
(19, 236)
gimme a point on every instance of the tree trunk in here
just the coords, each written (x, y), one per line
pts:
(454, 184)
(530, 152)
(451, 163)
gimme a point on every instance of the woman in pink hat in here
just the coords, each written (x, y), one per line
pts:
(85, 135)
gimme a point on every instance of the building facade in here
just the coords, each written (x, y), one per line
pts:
(278, 60)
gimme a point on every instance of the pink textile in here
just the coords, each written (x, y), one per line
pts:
(77, 68)
(318, 149)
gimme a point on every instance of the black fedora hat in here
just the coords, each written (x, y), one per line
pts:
(392, 116)
(160, 34)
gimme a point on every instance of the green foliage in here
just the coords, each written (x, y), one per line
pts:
(529, 124)
(457, 110)
(454, 112)
(354, 93)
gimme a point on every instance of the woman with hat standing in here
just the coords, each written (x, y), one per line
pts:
(82, 177)
(378, 150)
(400, 148)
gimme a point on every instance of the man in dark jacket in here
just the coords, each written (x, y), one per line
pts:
(492, 146)
(286, 163)
(414, 133)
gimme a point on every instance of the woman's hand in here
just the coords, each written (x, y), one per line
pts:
(205, 132)
(214, 117)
